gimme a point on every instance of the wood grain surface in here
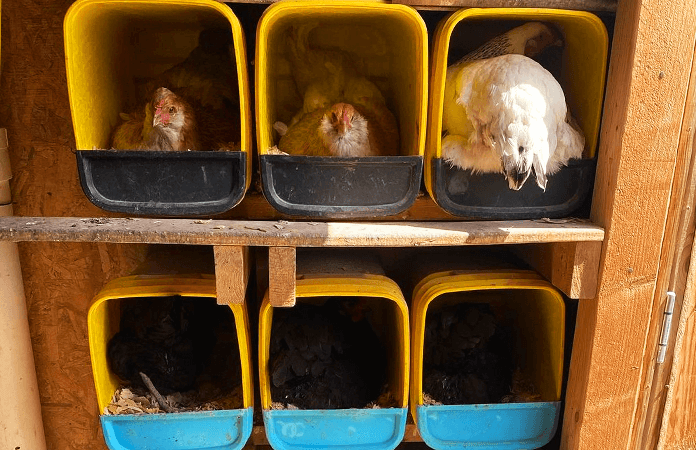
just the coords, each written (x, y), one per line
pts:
(644, 107)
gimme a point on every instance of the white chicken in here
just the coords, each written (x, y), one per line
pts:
(507, 114)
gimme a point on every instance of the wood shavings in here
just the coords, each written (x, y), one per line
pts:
(429, 401)
(275, 151)
(219, 227)
(200, 221)
(140, 401)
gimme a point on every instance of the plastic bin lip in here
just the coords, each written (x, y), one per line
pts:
(137, 431)
(478, 406)
(176, 415)
(290, 181)
(140, 171)
(313, 428)
(200, 285)
(436, 283)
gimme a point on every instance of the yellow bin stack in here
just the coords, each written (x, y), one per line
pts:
(580, 68)
(534, 311)
(388, 44)
(366, 428)
(221, 429)
(112, 48)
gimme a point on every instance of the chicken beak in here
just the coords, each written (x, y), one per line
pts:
(516, 179)
(157, 120)
(342, 127)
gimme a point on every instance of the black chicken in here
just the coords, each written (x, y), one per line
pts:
(467, 355)
(167, 338)
(322, 357)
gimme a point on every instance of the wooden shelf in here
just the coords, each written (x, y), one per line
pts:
(566, 252)
(580, 5)
(295, 234)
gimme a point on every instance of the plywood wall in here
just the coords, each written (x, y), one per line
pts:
(60, 278)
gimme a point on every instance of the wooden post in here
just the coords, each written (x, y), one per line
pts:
(282, 262)
(643, 112)
(231, 273)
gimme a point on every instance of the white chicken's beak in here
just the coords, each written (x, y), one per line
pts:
(516, 179)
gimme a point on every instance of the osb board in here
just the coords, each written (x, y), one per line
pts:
(644, 106)
(60, 278)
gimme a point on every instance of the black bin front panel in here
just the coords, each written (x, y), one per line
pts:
(487, 195)
(341, 187)
(163, 183)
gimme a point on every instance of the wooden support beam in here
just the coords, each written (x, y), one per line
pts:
(570, 266)
(282, 269)
(644, 107)
(232, 268)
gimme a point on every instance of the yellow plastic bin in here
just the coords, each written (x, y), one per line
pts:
(112, 48)
(217, 429)
(534, 312)
(580, 70)
(366, 428)
(390, 42)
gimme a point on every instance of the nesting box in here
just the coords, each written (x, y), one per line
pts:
(390, 43)
(380, 299)
(533, 313)
(213, 429)
(579, 67)
(113, 48)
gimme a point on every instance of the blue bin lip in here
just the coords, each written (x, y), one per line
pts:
(544, 432)
(242, 416)
(359, 416)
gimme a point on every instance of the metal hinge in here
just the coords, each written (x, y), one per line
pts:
(666, 327)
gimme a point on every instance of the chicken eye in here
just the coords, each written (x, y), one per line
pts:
(520, 149)
(172, 109)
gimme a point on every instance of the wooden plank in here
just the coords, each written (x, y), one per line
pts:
(582, 5)
(282, 270)
(676, 251)
(297, 234)
(570, 266)
(646, 95)
(231, 273)
(678, 425)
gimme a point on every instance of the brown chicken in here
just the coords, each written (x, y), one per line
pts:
(342, 130)
(168, 123)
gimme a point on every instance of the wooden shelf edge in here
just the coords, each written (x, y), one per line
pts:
(295, 234)
(582, 5)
